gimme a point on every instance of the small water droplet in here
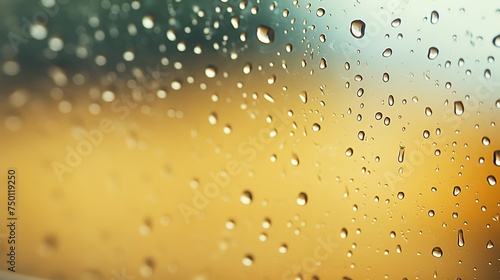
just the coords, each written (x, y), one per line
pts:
(489, 245)
(432, 53)
(401, 195)
(212, 118)
(426, 134)
(395, 23)
(302, 199)
(387, 52)
(303, 96)
(491, 180)
(485, 141)
(148, 22)
(210, 71)
(390, 100)
(343, 233)
(434, 17)
(401, 154)
(385, 77)
(437, 252)
(496, 157)
(283, 248)
(246, 197)
(320, 12)
(295, 160)
(461, 240)
(358, 28)
(265, 34)
(428, 111)
(316, 127)
(247, 68)
(349, 152)
(458, 108)
(248, 260)
(496, 41)
(456, 190)
(431, 213)
(322, 63)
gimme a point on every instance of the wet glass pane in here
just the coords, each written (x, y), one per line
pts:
(251, 139)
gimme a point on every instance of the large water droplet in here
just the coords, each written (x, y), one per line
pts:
(432, 53)
(456, 190)
(489, 245)
(349, 152)
(148, 22)
(486, 141)
(428, 111)
(437, 252)
(395, 23)
(458, 108)
(358, 28)
(461, 240)
(265, 34)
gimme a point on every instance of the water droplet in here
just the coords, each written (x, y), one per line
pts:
(358, 28)
(401, 195)
(283, 248)
(395, 23)
(212, 118)
(148, 22)
(456, 190)
(247, 68)
(361, 135)
(496, 41)
(294, 160)
(316, 127)
(230, 224)
(385, 77)
(426, 134)
(322, 38)
(343, 233)
(235, 22)
(428, 111)
(289, 47)
(171, 35)
(349, 152)
(432, 53)
(268, 97)
(302, 199)
(401, 154)
(486, 141)
(265, 34)
(246, 197)
(496, 157)
(176, 85)
(248, 260)
(431, 213)
(128, 55)
(461, 240)
(210, 71)
(491, 180)
(387, 52)
(320, 12)
(390, 100)
(458, 108)
(489, 245)
(322, 63)
(227, 129)
(38, 31)
(437, 252)
(303, 96)
(434, 17)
